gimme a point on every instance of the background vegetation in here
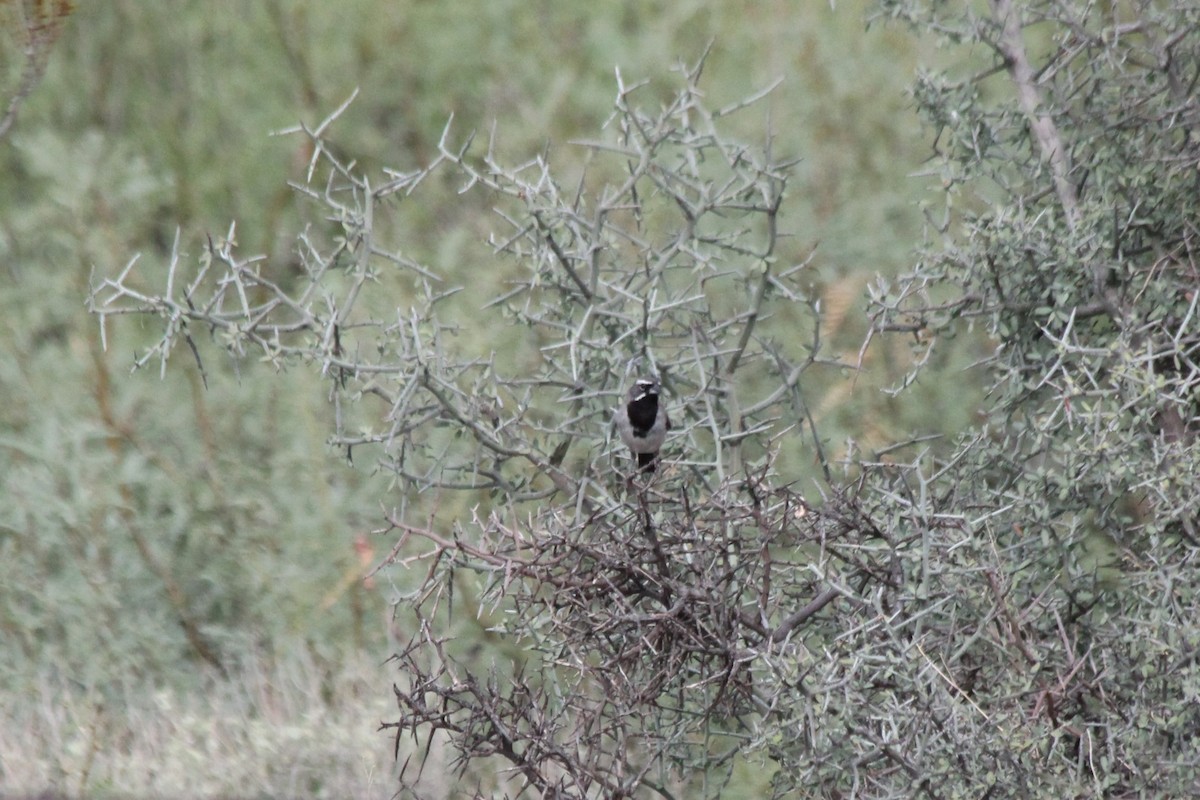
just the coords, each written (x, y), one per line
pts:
(171, 551)
(188, 567)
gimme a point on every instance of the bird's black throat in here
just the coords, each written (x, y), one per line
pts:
(642, 413)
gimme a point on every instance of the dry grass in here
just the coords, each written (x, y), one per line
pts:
(285, 730)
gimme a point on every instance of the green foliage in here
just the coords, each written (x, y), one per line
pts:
(1069, 209)
(664, 604)
(1088, 282)
(152, 529)
(136, 539)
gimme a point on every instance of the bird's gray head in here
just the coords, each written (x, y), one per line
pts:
(645, 387)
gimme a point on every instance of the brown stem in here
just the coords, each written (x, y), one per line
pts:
(118, 435)
(1012, 46)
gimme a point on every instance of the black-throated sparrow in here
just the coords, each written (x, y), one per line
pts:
(643, 423)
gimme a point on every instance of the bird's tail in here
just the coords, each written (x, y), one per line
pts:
(647, 461)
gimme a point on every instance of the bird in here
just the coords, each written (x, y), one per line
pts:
(643, 422)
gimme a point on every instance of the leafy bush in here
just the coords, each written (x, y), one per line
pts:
(1012, 616)
(154, 531)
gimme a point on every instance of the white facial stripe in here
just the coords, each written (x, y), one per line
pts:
(646, 387)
